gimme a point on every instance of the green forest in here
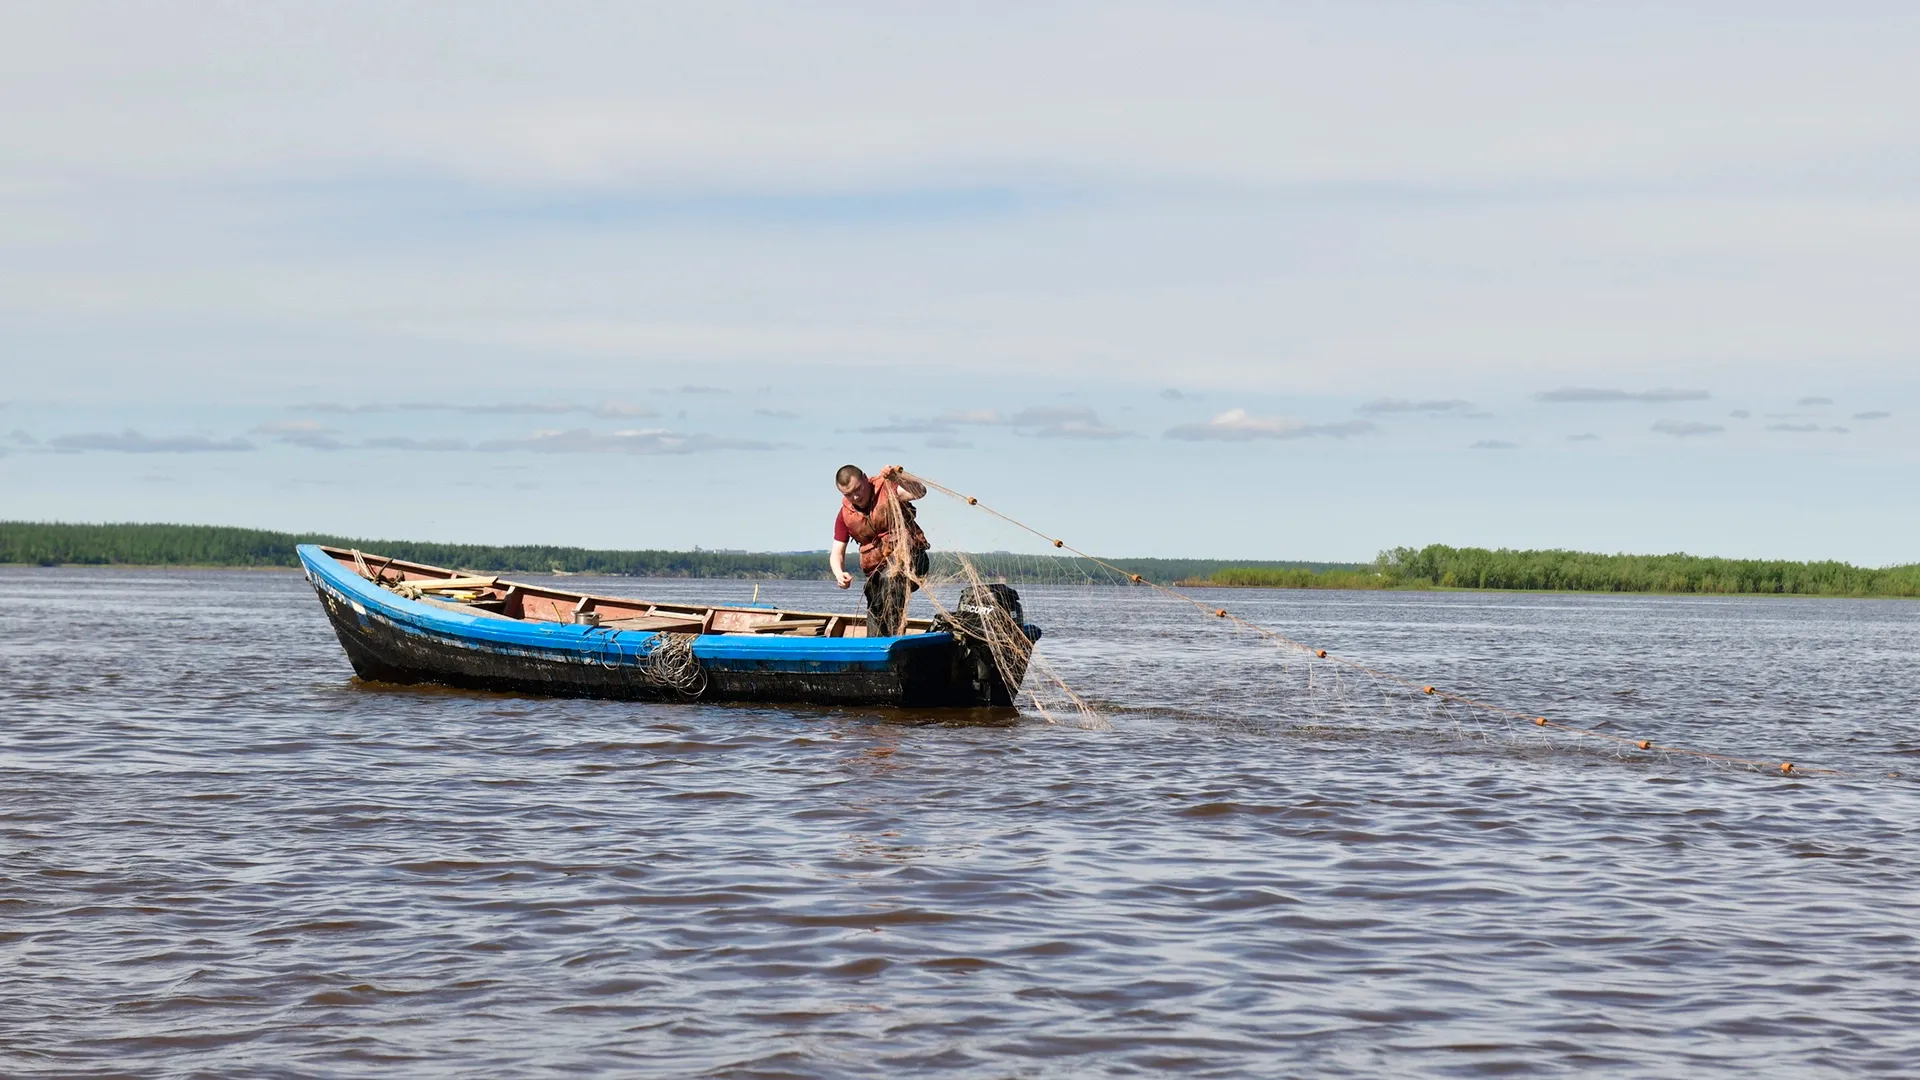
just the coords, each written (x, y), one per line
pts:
(52, 544)
(1433, 566)
(1440, 566)
(1254, 577)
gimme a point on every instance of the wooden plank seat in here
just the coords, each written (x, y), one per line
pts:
(681, 624)
(490, 609)
(452, 584)
(675, 624)
(795, 627)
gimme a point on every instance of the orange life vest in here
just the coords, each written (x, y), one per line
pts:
(875, 528)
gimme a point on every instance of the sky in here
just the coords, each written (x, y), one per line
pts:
(1278, 281)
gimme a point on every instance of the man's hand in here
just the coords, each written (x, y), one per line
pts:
(890, 472)
(845, 579)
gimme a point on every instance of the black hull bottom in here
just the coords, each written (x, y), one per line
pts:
(949, 675)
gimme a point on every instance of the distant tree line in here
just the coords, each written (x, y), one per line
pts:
(1440, 566)
(1253, 577)
(214, 545)
(53, 544)
(1433, 566)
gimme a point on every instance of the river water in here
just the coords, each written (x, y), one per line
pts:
(222, 856)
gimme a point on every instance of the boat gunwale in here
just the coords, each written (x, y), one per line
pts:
(345, 556)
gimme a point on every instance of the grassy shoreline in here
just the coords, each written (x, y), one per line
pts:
(1421, 587)
(1183, 583)
(1436, 566)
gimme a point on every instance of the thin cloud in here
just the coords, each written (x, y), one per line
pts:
(1685, 429)
(1235, 425)
(612, 410)
(315, 436)
(1740, 414)
(617, 410)
(19, 436)
(133, 442)
(1405, 405)
(404, 442)
(1874, 415)
(1040, 422)
(1063, 423)
(517, 408)
(332, 408)
(1807, 428)
(969, 416)
(649, 442)
(692, 389)
(1585, 436)
(1171, 394)
(1586, 394)
(777, 414)
(310, 434)
(1494, 444)
(948, 442)
(1814, 401)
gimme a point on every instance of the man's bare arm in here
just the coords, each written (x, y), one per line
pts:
(837, 561)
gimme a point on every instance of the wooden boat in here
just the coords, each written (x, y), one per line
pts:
(403, 622)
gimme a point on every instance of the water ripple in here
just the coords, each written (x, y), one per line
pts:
(222, 856)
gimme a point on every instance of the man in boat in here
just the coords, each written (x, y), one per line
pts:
(878, 514)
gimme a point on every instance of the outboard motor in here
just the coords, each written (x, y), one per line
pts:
(980, 607)
(990, 627)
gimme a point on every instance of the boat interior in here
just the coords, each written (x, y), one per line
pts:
(472, 593)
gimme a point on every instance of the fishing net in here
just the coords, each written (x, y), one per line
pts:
(995, 625)
(979, 607)
(1237, 672)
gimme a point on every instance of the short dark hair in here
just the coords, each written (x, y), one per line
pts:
(848, 476)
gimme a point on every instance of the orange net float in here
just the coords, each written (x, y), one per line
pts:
(1137, 579)
(1786, 766)
(1321, 653)
(1059, 543)
(1540, 721)
(1220, 614)
(971, 501)
(1645, 744)
(1426, 689)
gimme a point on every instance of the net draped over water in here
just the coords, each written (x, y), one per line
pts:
(1304, 686)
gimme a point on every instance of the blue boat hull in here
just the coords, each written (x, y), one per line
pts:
(390, 638)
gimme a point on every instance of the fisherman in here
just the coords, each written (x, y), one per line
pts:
(878, 514)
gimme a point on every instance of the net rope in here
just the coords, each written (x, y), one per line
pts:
(669, 661)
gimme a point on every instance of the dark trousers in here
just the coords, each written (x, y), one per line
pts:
(887, 590)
